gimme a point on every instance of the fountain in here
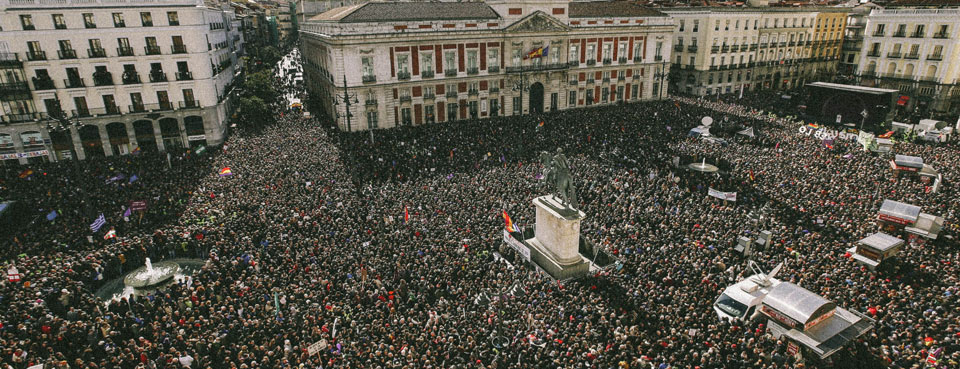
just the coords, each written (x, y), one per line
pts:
(703, 167)
(149, 276)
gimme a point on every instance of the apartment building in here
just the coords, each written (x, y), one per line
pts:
(122, 76)
(721, 50)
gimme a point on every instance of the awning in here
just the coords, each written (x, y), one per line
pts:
(830, 335)
(797, 303)
(899, 212)
(881, 241)
(908, 161)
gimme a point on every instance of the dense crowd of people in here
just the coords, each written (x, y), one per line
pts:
(390, 252)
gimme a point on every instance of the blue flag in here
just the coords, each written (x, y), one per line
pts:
(133, 178)
(53, 215)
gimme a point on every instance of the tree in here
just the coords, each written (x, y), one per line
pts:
(255, 112)
(260, 85)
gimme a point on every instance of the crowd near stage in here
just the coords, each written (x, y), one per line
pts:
(317, 248)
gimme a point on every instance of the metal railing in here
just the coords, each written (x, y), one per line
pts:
(917, 35)
(893, 54)
(184, 76)
(368, 78)
(151, 50)
(899, 34)
(451, 94)
(14, 87)
(97, 53)
(430, 96)
(873, 53)
(937, 57)
(537, 67)
(426, 74)
(406, 98)
(67, 53)
(692, 48)
(450, 72)
(403, 75)
(473, 92)
(125, 51)
(189, 104)
(41, 84)
(472, 71)
(129, 78)
(493, 69)
(912, 56)
(158, 76)
(678, 47)
(607, 61)
(73, 83)
(714, 49)
(103, 79)
(370, 102)
(494, 90)
(178, 48)
(940, 35)
(591, 62)
(622, 60)
(36, 55)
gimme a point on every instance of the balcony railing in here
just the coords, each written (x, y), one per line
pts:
(125, 51)
(451, 94)
(874, 53)
(426, 74)
(157, 76)
(724, 48)
(407, 98)
(912, 56)
(917, 35)
(899, 34)
(36, 55)
(370, 102)
(606, 80)
(574, 82)
(537, 67)
(607, 61)
(151, 50)
(878, 34)
(41, 84)
(678, 47)
(189, 104)
(622, 60)
(14, 87)
(369, 78)
(591, 62)
(714, 49)
(130, 78)
(136, 108)
(97, 53)
(472, 71)
(74, 83)
(494, 90)
(935, 57)
(184, 76)
(450, 72)
(940, 35)
(473, 92)
(67, 53)
(103, 79)
(20, 118)
(637, 59)
(621, 77)
(590, 80)
(893, 54)
(429, 96)
(178, 49)
(692, 48)
(493, 69)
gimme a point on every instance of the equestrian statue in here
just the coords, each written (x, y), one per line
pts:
(556, 172)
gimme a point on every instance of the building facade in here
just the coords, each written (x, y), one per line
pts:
(419, 63)
(151, 76)
(915, 51)
(721, 50)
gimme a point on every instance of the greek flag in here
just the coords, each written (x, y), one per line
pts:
(95, 226)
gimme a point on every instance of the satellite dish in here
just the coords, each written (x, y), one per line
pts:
(707, 121)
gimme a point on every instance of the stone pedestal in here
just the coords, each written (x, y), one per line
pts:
(556, 243)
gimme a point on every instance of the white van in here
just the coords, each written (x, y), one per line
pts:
(741, 301)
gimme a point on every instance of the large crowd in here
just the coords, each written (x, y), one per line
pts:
(390, 252)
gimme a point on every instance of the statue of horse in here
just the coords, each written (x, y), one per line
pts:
(557, 174)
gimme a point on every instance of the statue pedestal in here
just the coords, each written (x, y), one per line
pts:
(556, 243)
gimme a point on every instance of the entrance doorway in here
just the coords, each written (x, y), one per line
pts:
(536, 98)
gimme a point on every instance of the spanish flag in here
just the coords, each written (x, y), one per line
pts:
(226, 172)
(751, 175)
(886, 135)
(510, 226)
(538, 52)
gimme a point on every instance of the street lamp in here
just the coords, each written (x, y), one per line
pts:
(521, 85)
(660, 75)
(347, 99)
(60, 123)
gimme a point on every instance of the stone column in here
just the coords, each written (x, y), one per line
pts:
(18, 146)
(158, 135)
(131, 135)
(77, 144)
(45, 135)
(183, 131)
(105, 140)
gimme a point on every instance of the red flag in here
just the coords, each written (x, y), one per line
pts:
(406, 215)
(751, 175)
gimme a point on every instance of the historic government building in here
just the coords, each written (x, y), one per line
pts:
(381, 65)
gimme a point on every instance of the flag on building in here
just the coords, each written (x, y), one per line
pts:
(53, 215)
(510, 226)
(97, 224)
(110, 234)
(538, 52)
(226, 172)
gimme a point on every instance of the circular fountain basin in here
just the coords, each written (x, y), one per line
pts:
(146, 278)
(703, 167)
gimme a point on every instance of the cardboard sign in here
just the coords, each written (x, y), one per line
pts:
(316, 347)
(138, 205)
